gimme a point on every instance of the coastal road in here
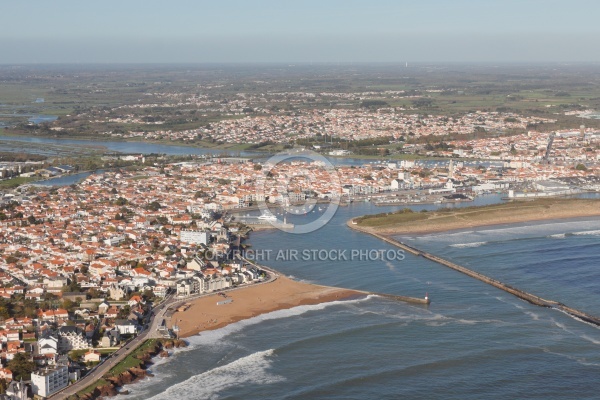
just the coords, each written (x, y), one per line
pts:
(118, 356)
(153, 322)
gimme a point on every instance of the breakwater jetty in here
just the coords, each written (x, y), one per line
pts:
(531, 298)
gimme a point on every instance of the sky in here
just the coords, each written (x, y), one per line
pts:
(300, 31)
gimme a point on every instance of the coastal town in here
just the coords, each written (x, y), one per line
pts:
(83, 265)
(94, 268)
(299, 200)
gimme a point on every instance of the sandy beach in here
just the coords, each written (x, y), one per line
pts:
(473, 217)
(205, 314)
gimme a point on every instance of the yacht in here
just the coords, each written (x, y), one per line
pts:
(267, 217)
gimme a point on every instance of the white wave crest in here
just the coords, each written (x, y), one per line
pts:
(462, 245)
(557, 236)
(252, 369)
(591, 339)
(582, 233)
(534, 316)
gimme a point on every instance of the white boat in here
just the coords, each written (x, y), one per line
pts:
(267, 217)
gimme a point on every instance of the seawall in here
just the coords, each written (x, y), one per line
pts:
(531, 298)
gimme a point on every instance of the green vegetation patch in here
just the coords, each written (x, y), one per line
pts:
(16, 182)
(133, 360)
(89, 389)
(398, 217)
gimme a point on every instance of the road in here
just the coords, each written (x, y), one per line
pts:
(153, 322)
(118, 356)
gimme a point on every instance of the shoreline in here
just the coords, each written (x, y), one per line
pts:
(204, 314)
(521, 294)
(563, 209)
(463, 228)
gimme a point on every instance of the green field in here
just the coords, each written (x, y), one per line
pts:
(16, 182)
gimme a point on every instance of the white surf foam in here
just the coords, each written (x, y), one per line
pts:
(557, 236)
(534, 316)
(462, 245)
(592, 233)
(591, 339)
(252, 369)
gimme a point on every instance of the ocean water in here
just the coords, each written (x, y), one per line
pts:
(472, 342)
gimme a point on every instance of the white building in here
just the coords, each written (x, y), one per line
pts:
(196, 264)
(72, 338)
(197, 237)
(115, 240)
(48, 381)
(185, 287)
(116, 292)
(216, 284)
(125, 327)
(48, 345)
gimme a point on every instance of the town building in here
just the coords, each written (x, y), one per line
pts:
(48, 381)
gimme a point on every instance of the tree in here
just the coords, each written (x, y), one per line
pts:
(581, 167)
(124, 312)
(154, 206)
(4, 312)
(148, 294)
(68, 305)
(11, 259)
(94, 293)
(21, 366)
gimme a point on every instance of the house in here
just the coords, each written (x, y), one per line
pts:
(91, 356)
(196, 264)
(111, 338)
(125, 327)
(160, 290)
(17, 390)
(135, 300)
(52, 315)
(48, 345)
(72, 338)
(112, 312)
(6, 373)
(103, 307)
(13, 336)
(116, 293)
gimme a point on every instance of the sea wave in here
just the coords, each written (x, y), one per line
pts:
(557, 236)
(592, 233)
(473, 244)
(251, 369)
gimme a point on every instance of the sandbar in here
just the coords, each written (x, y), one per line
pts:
(478, 216)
